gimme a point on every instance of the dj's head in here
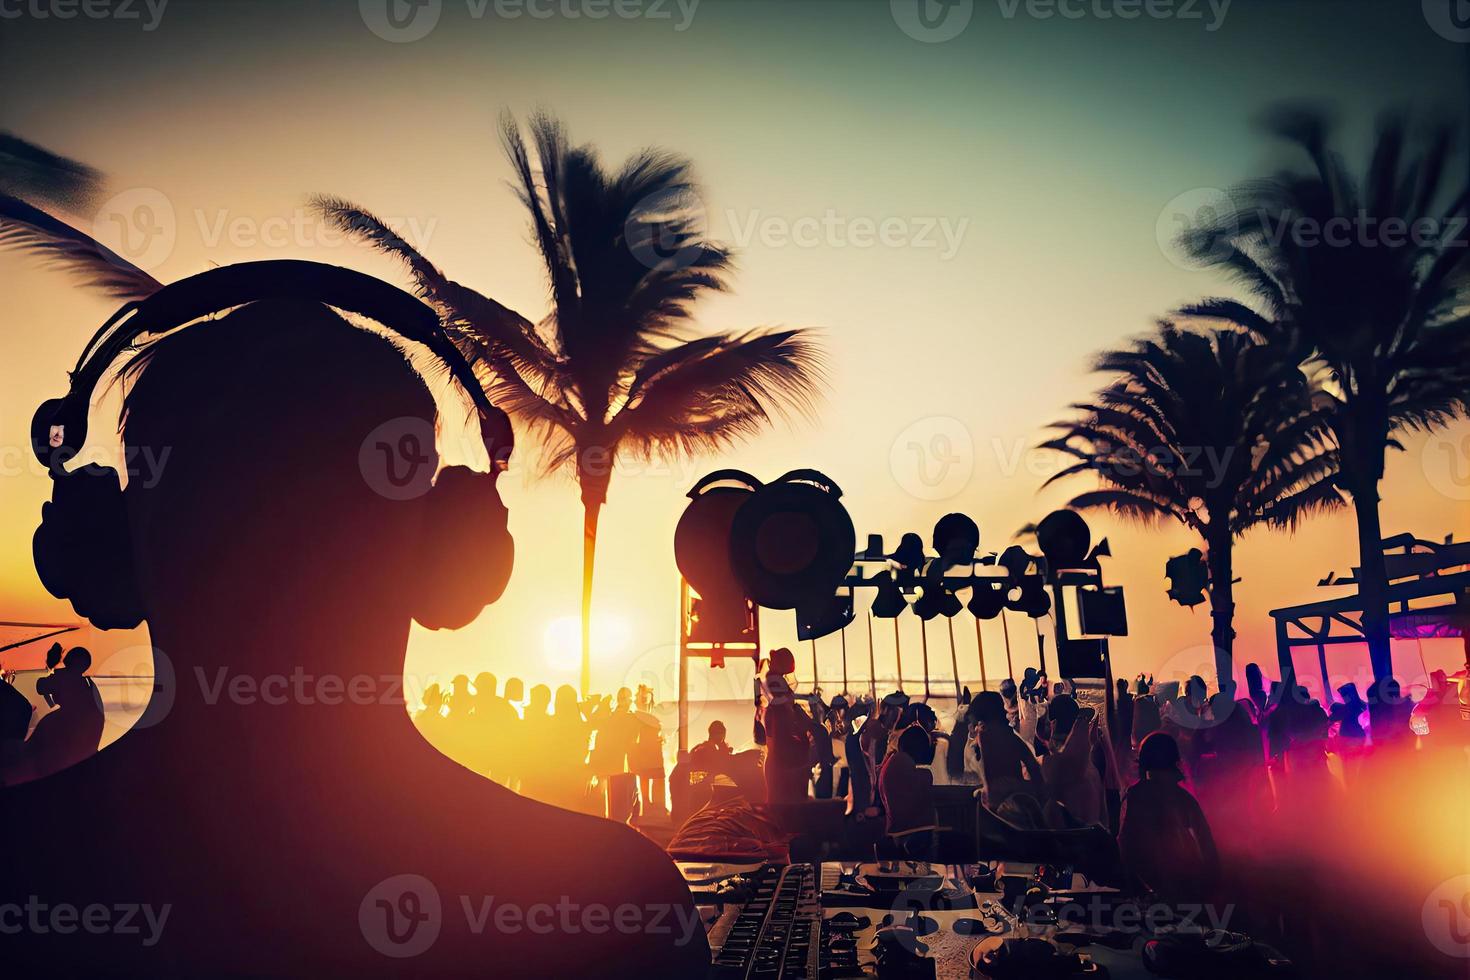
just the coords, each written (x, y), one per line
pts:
(261, 429)
(266, 451)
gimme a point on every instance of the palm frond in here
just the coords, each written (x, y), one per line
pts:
(705, 391)
(29, 229)
(471, 318)
(33, 173)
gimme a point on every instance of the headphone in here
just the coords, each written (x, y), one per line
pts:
(82, 548)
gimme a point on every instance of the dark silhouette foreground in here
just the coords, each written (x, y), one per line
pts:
(266, 827)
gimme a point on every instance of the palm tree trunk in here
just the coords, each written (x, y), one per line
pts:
(1222, 606)
(1373, 581)
(591, 509)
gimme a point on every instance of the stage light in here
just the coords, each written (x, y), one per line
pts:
(1028, 595)
(986, 600)
(936, 601)
(818, 619)
(956, 538)
(910, 552)
(890, 602)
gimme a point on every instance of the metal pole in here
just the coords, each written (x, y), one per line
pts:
(872, 663)
(980, 647)
(1010, 667)
(1040, 646)
(842, 634)
(924, 639)
(1326, 683)
(815, 683)
(898, 652)
(954, 660)
(683, 667)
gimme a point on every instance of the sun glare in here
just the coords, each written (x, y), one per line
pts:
(561, 642)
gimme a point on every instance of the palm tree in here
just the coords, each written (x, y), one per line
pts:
(616, 368)
(1213, 430)
(35, 173)
(34, 183)
(1369, 283)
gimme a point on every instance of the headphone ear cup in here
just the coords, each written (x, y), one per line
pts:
(466, 552)
(83, 551)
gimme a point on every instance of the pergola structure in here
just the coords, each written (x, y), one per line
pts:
(1428, 598)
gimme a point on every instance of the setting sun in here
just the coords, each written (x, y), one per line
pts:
(561, 642)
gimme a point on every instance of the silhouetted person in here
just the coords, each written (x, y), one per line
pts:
(617, 731)
(1164, 837)
(790, 734)
(1347, 712)
(431, 720)
(681, 789)
(459, 709)
(1147, 718)
(959, 743)
(907, 787)
(1011, 697)
(15, 721)
(646, 759)
(1071, 779)
(515, 694)
(1123, 731)
(491, 726)
(716, 742)
(532, 747)
(44, 682)
(276, 831)
(838, 729)
(1007, 762)
(1255, 687)
(568, 735)
(880, 731)
(513, 760)
(1029, 680)
(72, 731)
(460, 701)
(1390, 712)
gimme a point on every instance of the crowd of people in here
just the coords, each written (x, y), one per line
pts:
(1256, 798)
(68, 732)
(604, 755)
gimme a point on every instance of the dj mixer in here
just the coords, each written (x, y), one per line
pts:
(906, 919)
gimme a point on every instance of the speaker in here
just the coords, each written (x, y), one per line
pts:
(722, 613)
(792, 541)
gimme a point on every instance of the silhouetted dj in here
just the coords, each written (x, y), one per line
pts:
(275, 812)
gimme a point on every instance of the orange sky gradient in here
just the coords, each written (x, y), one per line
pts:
(1051, 153)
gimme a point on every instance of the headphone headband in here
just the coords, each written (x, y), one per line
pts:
(230, 286)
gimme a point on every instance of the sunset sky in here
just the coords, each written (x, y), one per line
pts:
(965, 221)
